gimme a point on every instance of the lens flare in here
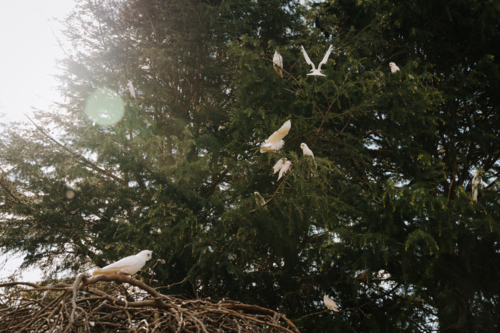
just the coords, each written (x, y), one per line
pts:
(105, 107)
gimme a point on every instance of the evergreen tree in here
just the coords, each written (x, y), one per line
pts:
(384, 224)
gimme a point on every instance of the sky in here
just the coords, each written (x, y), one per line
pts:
(28, 62)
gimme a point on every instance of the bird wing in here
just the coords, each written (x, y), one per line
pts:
(121, 264)
(281, 61)
(284, 169)
(277, 166)
(325, 58)
(277, 136)
(307, 57)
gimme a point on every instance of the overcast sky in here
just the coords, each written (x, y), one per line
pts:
(27, 64)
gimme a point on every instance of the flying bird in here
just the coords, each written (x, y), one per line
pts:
(277, 167)
(330, 304)
(275, 142)
(477, 182)
(317, 72)
(126, 266)
(307, 152)
(394, 67)
(278, 63)
(259, 199)
(131, 89)
(284, 168)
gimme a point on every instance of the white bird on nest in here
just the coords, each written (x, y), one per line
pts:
(330, 304)
(477, 182)
(131, 89)
(275, 142)
(278, 63)
(317, 72)
(126, 266)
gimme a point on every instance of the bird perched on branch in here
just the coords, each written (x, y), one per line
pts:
(259, 199)
(275, 142)
(307, 152)
(126, 266)
(394, 67)
(278, 63)
(477, 182)
(330, 304)
(317, 72)
(131, 89)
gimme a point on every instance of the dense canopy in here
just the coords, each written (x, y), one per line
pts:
(385, 224)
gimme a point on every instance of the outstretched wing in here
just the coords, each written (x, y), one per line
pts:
(325, 58)
(277, 166)
(307, 57)
(277, 136)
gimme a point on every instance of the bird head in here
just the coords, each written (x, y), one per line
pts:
(391, 64)
(146, 253)
(256, 193)
(303, 145)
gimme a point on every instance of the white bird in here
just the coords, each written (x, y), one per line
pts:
(126, 266)
(277, 167)
(275, 142)
(317, 72)
(131, 89)
(284, 168)
(394, 67)
(307, 152)
(330, 304)
(259, 199)
(278, 63)
(477, 182)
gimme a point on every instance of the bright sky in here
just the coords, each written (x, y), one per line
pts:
(29, 54)
(27, 63)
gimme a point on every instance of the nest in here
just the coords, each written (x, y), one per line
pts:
(85, 306)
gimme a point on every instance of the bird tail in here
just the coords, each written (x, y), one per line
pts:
(278, 70)
(103, 272)
(97, 272)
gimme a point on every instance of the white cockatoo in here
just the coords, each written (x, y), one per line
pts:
(330, 304)
(278, 63)
(307, 152)
(131, 89)
(126, 266)
(275, 142)
(278, 165)
(284, 168)
(317, 72)
(477, 182)
(259, 199)
(394, 67)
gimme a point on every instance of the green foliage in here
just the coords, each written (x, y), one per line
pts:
(390, 196)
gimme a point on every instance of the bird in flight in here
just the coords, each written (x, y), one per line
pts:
(275, 142)
(126, 266)
(282, 166)
(317, 72)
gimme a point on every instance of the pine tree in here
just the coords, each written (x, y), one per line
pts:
(384, 224)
